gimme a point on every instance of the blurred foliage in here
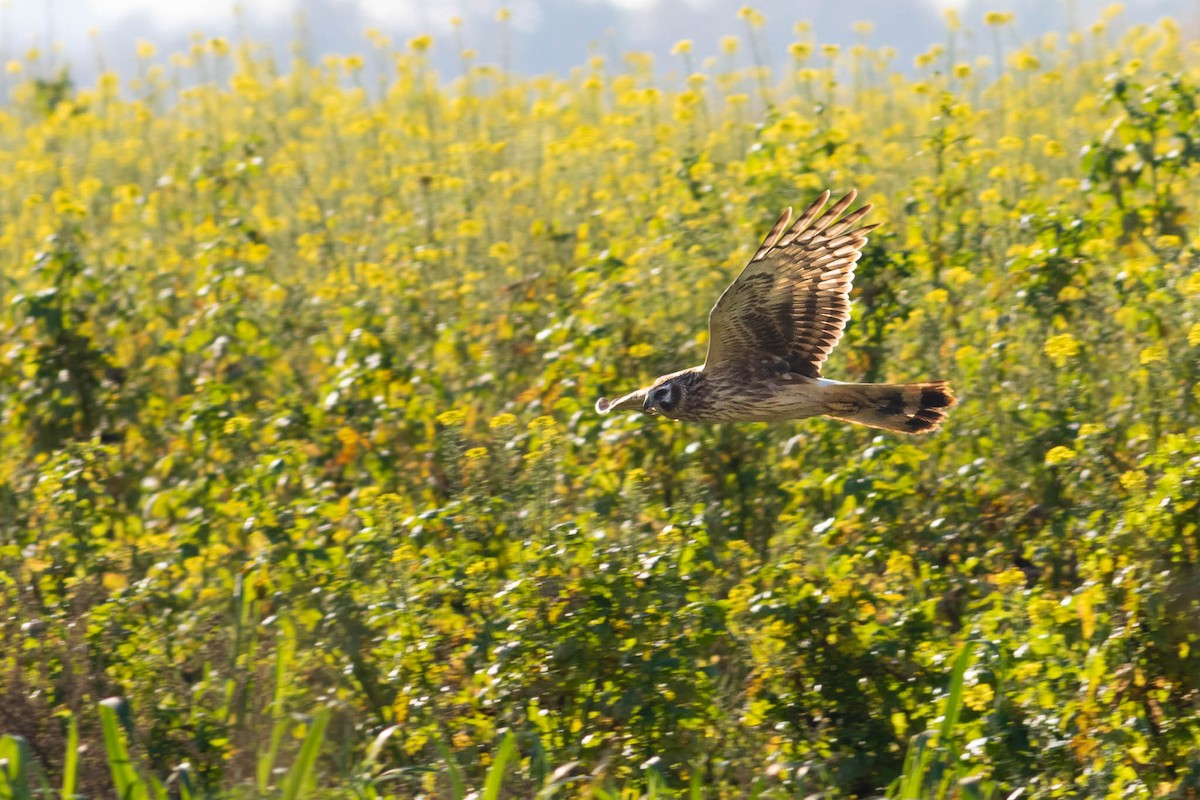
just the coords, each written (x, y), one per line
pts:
(296, 376)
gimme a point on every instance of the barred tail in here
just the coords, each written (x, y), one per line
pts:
(904, 408)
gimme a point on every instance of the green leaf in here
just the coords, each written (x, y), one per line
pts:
(954, 697)
(126, 781)
(458, 789)
(15, 761)
(71, 759)
(495, 773)
(377, 744)
(299, 777)
(916, 764)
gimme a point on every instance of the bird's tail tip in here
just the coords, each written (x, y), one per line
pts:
(916, 408)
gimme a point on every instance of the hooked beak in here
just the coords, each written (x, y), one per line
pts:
(633, 400)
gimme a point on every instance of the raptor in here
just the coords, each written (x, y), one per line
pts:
(773, 328)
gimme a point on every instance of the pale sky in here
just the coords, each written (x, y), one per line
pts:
(546, 35)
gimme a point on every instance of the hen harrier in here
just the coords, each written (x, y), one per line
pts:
(772, 329)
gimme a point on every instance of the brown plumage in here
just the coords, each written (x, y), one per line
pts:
(773, 328)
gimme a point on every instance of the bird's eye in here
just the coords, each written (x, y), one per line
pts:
(666, 397)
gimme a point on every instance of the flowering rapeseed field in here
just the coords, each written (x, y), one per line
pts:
(301, 489)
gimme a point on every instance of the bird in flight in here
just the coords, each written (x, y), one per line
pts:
(773, 328)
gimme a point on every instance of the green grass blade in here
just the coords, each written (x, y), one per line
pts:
(954, 698)
(696, 784)
(916, 763)
(266, 761)
(71, 759)
(975, 788)
(15, 766)
(126, 781)
(284, 650)
(157, 790)
(561, 777)
(495, 774)
(300, 775)
(376, 749)
(925, 766)
(458, 789)
(183, 776)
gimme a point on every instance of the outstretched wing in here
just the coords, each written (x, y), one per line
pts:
(785, 313)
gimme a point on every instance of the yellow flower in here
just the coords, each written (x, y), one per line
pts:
(501, 251)
(1154, 353)
(1024, 60)
(470, 228)
(145, 49)
(864, 27)
(1090, 429)
(996, 18)
(13, 67)
(641, 350)
(1059, 455)
(1062, 348)
(476, 454)
(1133, 481)
(830, 50)
(682, 47)
(800, 50)
(420, 44)
(452, 418)
(1010, 579)
(959, 276)
(753, 18)
(1194, 334)
(66, 205)
(502, 420)
(978, 697)
(729, 45)
(1190, 286)
(257, 252)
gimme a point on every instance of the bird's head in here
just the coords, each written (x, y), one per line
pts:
(667, 396)
(664, 398)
